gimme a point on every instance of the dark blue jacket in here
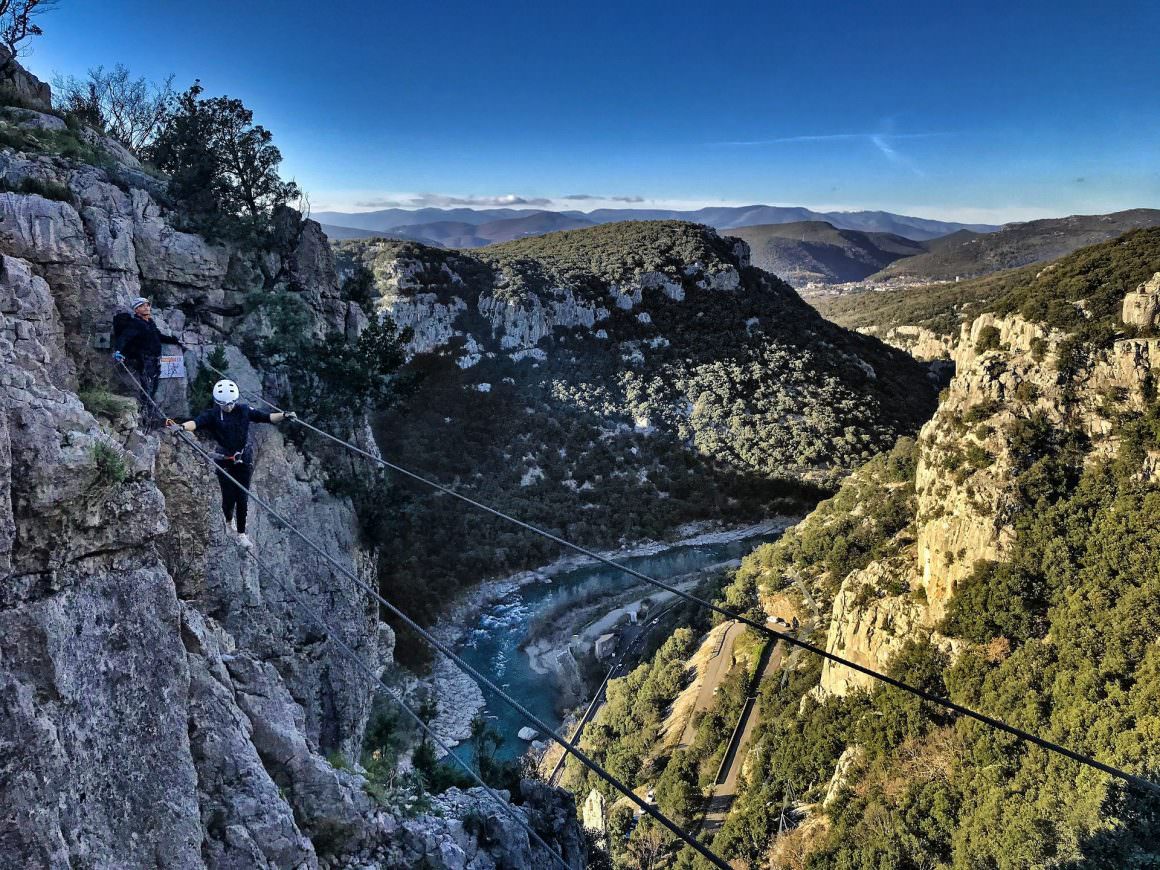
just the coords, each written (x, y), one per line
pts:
(231, 429)
(139, 339)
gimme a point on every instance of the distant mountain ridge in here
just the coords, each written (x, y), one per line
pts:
(816, 252)
(967, 254)
(444, 226)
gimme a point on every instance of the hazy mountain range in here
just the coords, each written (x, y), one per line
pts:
(798, 245)
(468, 227)
(966, 254)
(806, 252)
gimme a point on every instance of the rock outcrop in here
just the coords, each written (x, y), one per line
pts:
(162, 701)
(20, 87)
(662, 326)
(1142, 307)
(435, 302)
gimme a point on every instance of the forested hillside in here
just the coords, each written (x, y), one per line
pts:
(1098, 275)
(965, 254)
(612, 383)
(816, 252)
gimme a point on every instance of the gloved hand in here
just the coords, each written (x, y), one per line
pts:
(118, 356)
(290, 415)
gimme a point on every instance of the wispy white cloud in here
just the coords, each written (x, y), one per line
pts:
(585, 197)
(370, 200)
(826, 137)
(884, 142)
(892, 154)
(441, 200)
(350, 201)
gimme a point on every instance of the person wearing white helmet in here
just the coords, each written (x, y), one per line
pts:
(228, 423)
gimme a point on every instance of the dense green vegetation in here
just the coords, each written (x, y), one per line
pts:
(941, 308)
(1081, 670)
(595, 256)
(870, 518)
(626, 737)
(727, 404)
(1098, 276)
(223, 168)
(1061, 642)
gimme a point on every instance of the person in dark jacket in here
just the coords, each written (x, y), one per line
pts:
(137, 342)
(228, 422)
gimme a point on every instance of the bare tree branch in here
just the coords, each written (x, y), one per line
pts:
(16, 21)
(127, 109)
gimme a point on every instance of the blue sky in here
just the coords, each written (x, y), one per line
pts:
(976, 111)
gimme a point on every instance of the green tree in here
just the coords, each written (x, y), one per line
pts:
(998, 599)
(219, 161)
(677, 792)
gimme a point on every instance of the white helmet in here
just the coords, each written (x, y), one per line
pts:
(225, 392)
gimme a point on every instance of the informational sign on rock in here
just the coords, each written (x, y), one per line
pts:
(173, 366)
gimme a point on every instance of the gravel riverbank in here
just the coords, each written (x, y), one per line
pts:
(460, 699)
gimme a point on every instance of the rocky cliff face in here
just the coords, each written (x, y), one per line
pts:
(434, 298)
(1008, 369)
(655, 325)
(920, 342)
(162, 703)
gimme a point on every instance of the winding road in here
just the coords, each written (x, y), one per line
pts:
(715, 670)
(725, 787)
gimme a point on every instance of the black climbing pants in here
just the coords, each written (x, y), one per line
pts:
(147, 371)
(234, 501)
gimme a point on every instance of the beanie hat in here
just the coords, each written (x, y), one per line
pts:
(137, 303)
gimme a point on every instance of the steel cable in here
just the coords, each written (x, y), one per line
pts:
(483, 681)
(334, 636)
(930, 697)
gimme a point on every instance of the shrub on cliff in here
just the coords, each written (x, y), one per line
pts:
(988, 339)
(997, 600)
(18, 21)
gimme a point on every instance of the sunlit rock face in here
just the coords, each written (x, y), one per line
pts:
(967, 517)
(1142, 307)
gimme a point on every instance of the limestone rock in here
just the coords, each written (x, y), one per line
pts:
(169, 256)
(20, 86)
(868, 628)
(850, 758)
(966, 508)
(94, 749)
(594, 812)
(1142, 307)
